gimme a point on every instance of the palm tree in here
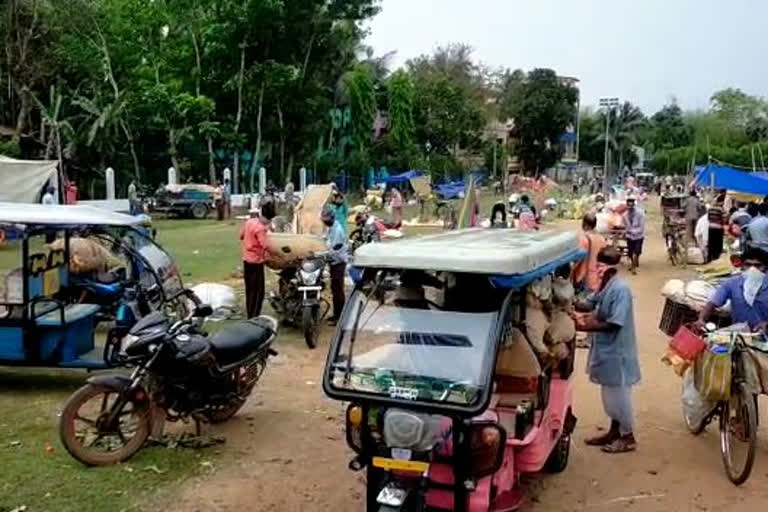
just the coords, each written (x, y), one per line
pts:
(625, 123)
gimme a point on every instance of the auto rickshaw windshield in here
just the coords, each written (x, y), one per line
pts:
(414, 353)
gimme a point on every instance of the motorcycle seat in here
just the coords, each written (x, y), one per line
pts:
(238, 342)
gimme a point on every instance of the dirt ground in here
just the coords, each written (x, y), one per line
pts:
(290, 454)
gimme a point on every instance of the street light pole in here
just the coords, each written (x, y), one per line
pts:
(609, 104)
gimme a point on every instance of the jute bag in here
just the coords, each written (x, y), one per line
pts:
(712, 373)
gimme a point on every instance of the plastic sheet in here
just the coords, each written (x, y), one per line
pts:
(695, 406)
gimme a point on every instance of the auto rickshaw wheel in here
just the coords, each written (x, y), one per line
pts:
(199, 211)
(558, 459)
(89, 450)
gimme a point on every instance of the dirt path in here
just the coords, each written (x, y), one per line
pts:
(291, 455)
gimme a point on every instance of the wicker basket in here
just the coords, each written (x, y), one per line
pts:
(675, 315)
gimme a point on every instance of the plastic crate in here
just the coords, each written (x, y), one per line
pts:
(674, 316)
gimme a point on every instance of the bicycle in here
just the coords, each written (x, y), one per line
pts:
(737, 416)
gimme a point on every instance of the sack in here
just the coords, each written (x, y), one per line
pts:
(562, 329)
(288, 249)
(87, 255)
(695, 256)
(760, 360)
(674, 289)
(536, 325)
(695, 406)
(712, 375)
(562, 291)
(220, 297)
(698, 293)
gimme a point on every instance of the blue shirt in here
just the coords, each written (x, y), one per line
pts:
(733, 290)
(612, 357)
(758, 232)
(334, 237)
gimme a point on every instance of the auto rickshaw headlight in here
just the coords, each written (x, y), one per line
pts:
(355, 416)
(487, 444)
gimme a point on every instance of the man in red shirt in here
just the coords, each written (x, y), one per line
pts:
(253, 236)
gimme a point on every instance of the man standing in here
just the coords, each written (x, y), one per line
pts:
(612, 361)
(48, 196)
(692, 214)
(585, 273)
(716, 215)
(634, 223)
(133, 199)
(748, 292)
(336, 240)
(253, 237)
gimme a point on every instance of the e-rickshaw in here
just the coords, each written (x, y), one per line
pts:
(49, 312)
(448, 404)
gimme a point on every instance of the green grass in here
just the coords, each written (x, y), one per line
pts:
(30, 401)
(43, 480)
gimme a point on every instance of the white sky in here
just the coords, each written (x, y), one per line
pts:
(644, 51)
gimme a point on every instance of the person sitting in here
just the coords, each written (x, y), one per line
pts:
(747, 292)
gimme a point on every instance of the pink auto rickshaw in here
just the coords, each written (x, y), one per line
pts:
(448, 403)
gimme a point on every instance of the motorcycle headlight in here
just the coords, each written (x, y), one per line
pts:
(309, 278)
(128, 340)
(415, 431)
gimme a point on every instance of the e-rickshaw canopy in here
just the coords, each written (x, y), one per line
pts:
(37, 215)
(512, 257)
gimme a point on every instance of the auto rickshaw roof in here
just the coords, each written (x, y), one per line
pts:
(62, 215)
(497, 252)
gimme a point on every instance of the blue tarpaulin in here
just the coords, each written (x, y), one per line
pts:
(398, 179)
(728, 178)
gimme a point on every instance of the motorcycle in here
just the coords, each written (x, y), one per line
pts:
(365, 232)
(178, 370)
(300, 297)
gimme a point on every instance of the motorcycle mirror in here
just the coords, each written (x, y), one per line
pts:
(286, 249)
(202, 311)
(337, 247)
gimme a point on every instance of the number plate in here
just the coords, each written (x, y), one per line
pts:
(401, 453)
(400, 465)
(309, 288)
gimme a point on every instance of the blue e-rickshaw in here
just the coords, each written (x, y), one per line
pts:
(48, 313)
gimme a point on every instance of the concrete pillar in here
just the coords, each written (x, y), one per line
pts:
(109, 176)
(172, 176)
(262, 181)
(302, 179)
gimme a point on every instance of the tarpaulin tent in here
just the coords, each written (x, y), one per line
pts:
(22, 181)
(730, 179)
(398, 179)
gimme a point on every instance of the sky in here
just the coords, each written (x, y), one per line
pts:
(644, 51)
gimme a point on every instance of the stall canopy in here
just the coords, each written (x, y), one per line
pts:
(398, 179)
(22, 181)
(733, 180)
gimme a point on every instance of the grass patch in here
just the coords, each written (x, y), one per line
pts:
(45, 480)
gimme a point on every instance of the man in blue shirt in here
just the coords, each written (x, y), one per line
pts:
(748, 292)
(757, 229)
(336, 239)
(612, 362)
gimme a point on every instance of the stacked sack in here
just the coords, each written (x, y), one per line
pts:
(548, 325)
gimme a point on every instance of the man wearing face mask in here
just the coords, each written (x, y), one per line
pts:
(612, 362)
(336, 239)
(748, 292)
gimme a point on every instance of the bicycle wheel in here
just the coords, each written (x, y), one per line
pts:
(738, 434)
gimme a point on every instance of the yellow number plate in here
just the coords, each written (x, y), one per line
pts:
(401, 465)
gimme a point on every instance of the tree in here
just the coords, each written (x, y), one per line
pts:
(511, 93)
(736, 107)
(52, 117)
(668, 129)
(543, 113)
(625, 123)
(400, 96)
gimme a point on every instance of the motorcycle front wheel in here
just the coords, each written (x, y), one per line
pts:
(310, 325)
(86, 434)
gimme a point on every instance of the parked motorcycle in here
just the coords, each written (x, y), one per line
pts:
(365, 232)
(300, 300)
(178, 370)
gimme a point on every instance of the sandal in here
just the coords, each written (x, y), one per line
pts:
(622, 444)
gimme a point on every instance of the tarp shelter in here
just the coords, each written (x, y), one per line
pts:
(730, 179)
(399, 179)
(22, 181)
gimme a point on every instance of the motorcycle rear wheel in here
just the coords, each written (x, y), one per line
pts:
(310, 325)
(89, 453)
